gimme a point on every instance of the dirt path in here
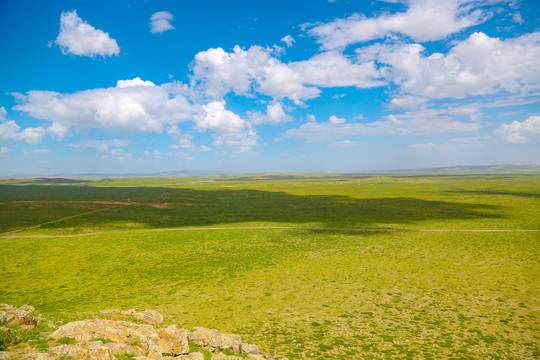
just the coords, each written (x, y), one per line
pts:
(257, 227)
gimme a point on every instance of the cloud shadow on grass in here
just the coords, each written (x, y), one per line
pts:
(217, 207)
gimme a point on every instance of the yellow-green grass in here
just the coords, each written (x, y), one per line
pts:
(300, 293)
(297, 293)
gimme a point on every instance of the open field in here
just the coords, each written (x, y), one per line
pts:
(297, 292)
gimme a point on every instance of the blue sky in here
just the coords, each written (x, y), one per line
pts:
(125, 86)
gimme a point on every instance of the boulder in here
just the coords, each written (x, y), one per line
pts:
(249, 349)
(74, 351)
(148, 315)
(145, 336)
(173, 340)
(152, 316)
(213, 340)
(18, 316)
(120, 348)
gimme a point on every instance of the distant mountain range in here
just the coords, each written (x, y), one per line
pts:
(70, 178)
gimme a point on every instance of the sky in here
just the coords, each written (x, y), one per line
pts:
(146, 86)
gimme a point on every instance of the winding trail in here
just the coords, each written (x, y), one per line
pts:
(263, 227)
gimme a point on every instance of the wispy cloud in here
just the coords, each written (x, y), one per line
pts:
(161, 22)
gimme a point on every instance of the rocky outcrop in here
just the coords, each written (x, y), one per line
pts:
(102, 339)
(213, 340)
(21, 316)
(148, 315)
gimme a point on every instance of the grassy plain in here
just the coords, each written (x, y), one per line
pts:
(299, 293)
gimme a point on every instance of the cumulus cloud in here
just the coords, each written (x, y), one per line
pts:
(9, 130)
(520, 132)
(424, 20)
(424, 122)
(133, 105)
(218, 72)
(289, 40)
(231, 131)
(335, 120)
(274, 115)
(479, 65)
(80, 38)
(161, 22)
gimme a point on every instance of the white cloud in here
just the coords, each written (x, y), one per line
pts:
(479, 65)
(161, 22)
(4, 150)
(9, 130)
(424, 122)
(424, 20)
(274, 115)
(133, 105)
(58, 130)
(231, 130)
(101, 145)
(41, 152)
(217, 72)
(289, 40)
(108, 149)
(134, 83)
(79, 38)
(520, 132)
(3, 114)
(185, 142)
(452, 144)
(346, 144)
(335, 120)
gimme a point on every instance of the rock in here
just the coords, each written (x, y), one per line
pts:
(28, 308)
(21, 317)
(213, 340)
(145, 336)
(96, 351)
(4, 355)
(27, 327)
(7, 307)
(173, 340)
(120, 348)
(226, 357)
(152, 316)
(249, 349)
(148, 315)
(75, 351)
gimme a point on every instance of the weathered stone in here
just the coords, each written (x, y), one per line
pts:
(7, 307)
(75, 351)
(173, 340)
(152, 316)
(249, 349)
(117, 331)
(28, 308)
(21, 317)
(148, 315)
(226, 357)
(213, 340)
(96, 351)
(121, 348)
(27, 327)
(191, 356)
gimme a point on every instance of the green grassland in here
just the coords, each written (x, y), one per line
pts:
(315, 294)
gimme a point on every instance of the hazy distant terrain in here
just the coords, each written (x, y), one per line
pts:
(226, 252)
